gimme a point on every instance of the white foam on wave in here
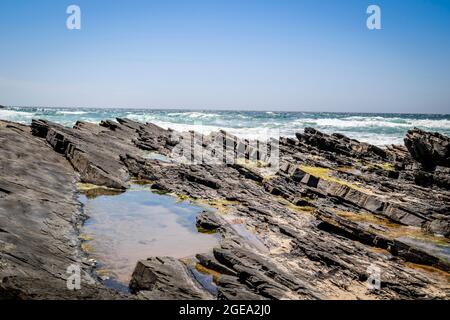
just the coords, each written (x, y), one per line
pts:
(244, 133)
(18, 116)
(377, 122)
(194, 115)
(264, 133)
(72, 112)
(139, 117)
(367, 129)
(326, 125)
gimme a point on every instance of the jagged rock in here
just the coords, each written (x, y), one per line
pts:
(262, 276)
(339, 143)
(367, 234)
(94, 153)
(248, 174)
(431, 149)
(439, 178)
(165, 278)
(203, 179)
(208, 221)
(231, 289)
(210, 262)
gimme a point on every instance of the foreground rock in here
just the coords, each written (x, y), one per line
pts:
(314, 228)
(38, 218)
(165, 279)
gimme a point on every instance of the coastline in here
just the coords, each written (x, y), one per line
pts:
(375, 128)
(334, 208)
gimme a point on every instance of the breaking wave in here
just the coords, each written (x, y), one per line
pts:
(378, 129)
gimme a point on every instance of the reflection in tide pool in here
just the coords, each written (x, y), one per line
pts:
(138, 224)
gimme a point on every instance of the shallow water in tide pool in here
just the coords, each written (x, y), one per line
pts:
(135, 225)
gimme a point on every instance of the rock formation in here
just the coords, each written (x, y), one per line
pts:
(430, 149)
(334, 210)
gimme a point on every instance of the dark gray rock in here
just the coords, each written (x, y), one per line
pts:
(431, 149)
(38, 218)
(231, 289)
(93, 152)
(208, 221)
(340, 144)
(210, 262)
(281, 236)
(165, 278)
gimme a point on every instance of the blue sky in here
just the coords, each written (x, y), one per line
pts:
(311, 55)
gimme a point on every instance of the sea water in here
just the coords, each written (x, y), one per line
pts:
(124, 228)
(379, 129)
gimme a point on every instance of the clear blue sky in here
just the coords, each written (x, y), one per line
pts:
(311, 55)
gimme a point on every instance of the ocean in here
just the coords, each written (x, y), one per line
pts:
(379, 129)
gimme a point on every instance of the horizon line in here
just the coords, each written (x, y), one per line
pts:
(225, 109)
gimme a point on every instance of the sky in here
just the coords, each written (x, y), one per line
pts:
(289, 55)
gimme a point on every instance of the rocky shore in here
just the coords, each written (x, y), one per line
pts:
(315, 228)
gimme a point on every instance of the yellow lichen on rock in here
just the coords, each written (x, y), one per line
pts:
(293, 207)
(221, 205)
(326, 174)
(85, 237)
(215, 275)
(86, 247)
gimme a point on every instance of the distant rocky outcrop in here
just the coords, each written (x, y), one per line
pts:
(340, 144)
(431, 149)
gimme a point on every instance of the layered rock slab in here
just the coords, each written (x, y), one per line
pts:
(38, 215)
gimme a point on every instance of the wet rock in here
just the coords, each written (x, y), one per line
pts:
(210, 262)
(165, 278)
(208, 221)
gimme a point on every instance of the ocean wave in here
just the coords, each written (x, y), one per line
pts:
(72, 112)
(18, 116)
(194, 115)
(140, 117)
(253, 133)
(244, 133)
(374, 122)
(378, 129)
